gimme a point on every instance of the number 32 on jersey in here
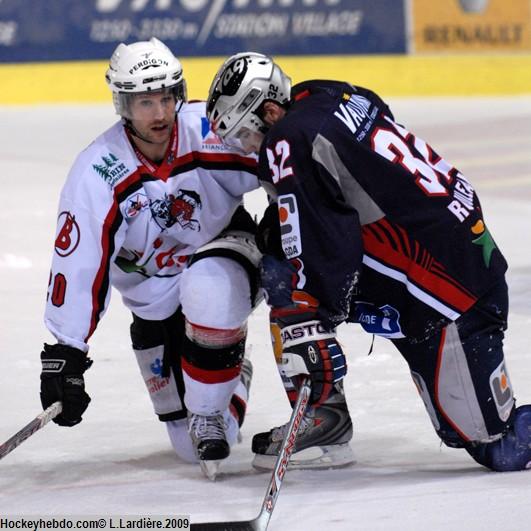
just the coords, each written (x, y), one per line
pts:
(278, 158)
(433, 174)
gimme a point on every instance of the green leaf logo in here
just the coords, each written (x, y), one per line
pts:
(485, 240)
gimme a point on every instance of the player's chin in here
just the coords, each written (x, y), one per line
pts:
(160, 131)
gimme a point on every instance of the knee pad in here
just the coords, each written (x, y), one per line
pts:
(238, 248)
(146, 334)
(512, 451)
(215, 293)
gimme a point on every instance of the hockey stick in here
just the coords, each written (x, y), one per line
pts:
(27, 431)
(261, 522)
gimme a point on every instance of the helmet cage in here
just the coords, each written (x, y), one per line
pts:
(244, 114)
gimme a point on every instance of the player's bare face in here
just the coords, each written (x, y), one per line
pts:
(153, 116)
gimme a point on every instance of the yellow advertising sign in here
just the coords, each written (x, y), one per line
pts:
(471, 25)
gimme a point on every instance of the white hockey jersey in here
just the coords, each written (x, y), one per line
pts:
(125, 222)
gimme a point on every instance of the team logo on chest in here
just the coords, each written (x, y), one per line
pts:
(135, 204)
(111, 169)
(177, 209)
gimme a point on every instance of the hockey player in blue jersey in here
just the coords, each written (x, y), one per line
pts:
(369, 224)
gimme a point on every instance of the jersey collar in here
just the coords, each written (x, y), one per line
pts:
(162, 170)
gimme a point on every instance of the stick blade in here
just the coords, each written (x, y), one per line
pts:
(29, 429)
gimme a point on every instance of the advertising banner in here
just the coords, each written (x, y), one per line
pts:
(51, 30)
(471, 25)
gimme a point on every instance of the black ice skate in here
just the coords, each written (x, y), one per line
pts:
(322, 442)
(210, 442)
(208, 432)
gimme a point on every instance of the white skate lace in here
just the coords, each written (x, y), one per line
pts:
(203, 427)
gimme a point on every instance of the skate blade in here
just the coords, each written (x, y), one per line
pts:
(314, 458)
(210, 468)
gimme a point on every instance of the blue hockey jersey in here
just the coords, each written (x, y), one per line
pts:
(373, 219)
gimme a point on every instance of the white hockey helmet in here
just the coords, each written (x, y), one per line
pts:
(241, 86)
(144, 66)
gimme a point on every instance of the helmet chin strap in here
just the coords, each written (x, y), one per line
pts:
(128, 124)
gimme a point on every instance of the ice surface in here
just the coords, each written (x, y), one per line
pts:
(118, 461)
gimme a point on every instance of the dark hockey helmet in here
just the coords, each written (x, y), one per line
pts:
(143, 67)
(241, 86)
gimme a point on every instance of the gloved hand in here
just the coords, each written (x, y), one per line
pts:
(268, 238)
(62, 380)
(309, 348)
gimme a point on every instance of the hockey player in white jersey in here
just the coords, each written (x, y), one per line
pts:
(153, 208)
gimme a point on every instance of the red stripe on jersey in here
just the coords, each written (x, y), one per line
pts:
(210, 376)
(170, 161)
(215, 157)
(438, 269)
(405, 237)
(107, 235)
(391, 231)
(444, 289)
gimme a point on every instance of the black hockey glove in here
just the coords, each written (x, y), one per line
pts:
(309, 348)
(268, 238)
(62, 380)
